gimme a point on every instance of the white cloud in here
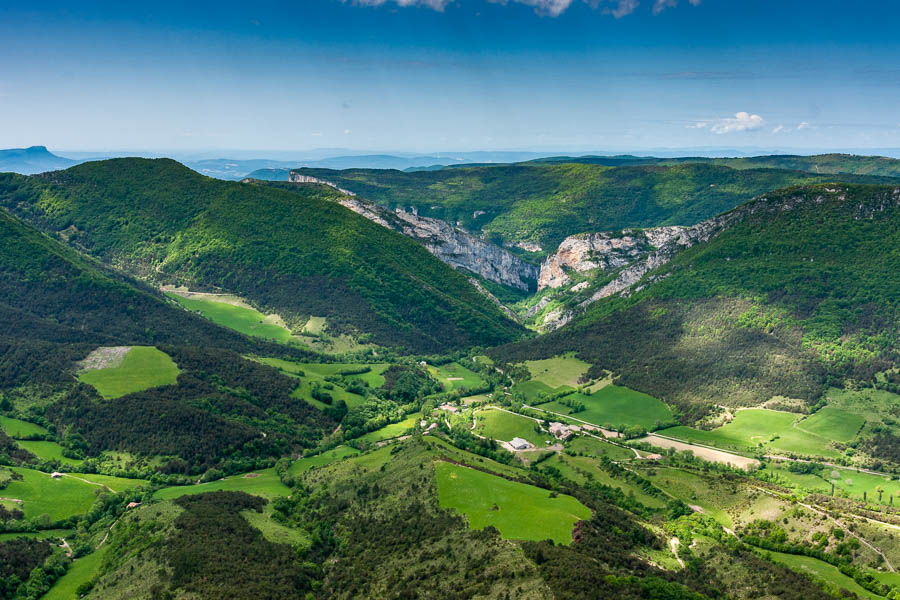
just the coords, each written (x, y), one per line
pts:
(551, 8)
(661, 5)
(803, 125)
(699, 125)
(316, 134)
(778, 129)
(347, 132)
(742, 121)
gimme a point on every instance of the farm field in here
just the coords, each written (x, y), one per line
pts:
(267, 485)
(756, 428)
(593, 447)
(821, 570)
(391, 431)
(325, 458)
(48, 451)
(144, 367)
(501, 425)
(853, 483)
(833, 423)
(455, 376)
(237, 316)
(714, 496)
(304, 392)
(116, 484)
(707, 454)
(615, 405)
(273, 531)
(557, 371)
(80, 571)
(58, 498)
(16, 428)
(517, 510)
(530, 389)
(323, 370)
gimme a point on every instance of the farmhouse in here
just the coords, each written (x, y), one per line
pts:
(562, 431)
(56, 475)
(448, 408)
(519, 444)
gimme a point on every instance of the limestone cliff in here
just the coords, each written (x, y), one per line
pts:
(456, 247)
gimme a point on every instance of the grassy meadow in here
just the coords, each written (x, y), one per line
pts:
(16, 428)
(325, 458)
(518, 511)
(616, 406)
(243, 319)
(144, 367)
(501, 425)
(557, 371)
(58, 498)
(266, 484)
(81, 571)
(455, 376)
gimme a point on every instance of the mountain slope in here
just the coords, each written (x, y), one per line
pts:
(795, 289)
(544, 203)
(35, 159)
(296, 254)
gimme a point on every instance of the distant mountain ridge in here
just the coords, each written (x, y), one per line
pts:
(34, 159)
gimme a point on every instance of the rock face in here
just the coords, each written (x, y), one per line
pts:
(457, 248)
(605, 251)
(294, 177)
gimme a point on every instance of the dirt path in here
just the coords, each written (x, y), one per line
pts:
(705, 452)
(10, 500)
(673, 545)
(106, 487)
(67, 547)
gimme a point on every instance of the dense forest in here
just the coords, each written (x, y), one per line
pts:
(299, 255)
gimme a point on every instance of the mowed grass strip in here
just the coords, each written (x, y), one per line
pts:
(144, 367)
(834, 424)
(264, 483)
(517, 510)
(501, 425)
(16, 428)
(818, 569)
(615, 405)
(557, 371)
(243, 319)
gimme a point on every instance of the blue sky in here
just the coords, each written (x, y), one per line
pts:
(432, 75)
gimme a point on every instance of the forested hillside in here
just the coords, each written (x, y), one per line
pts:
(544, 203)
(799, 291)
(295, 254)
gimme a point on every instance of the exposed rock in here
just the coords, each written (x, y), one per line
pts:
(295, 177)
(606, 251)
(457, 248)
(529, 246)
(494, 299)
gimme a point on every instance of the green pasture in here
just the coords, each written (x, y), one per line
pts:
(593, 447)
(267, 485)
(756, 428)
(455, 376)
(59, 498)
(391, 431)
(710, 493)
(517, 510)
(849, 481)
(144, 367)
(304, 392)
(48, 451)
(323, 370)
(615, 405)
(16, 428)
(530, 389)
(240, 318)
(504, 426)
(557, 371)
(274, 531)
(834, 424)
(80, 571)
(329, 456)
(821, 570)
